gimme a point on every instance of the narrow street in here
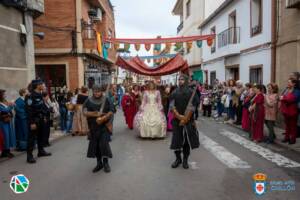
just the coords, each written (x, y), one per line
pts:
(221, 169)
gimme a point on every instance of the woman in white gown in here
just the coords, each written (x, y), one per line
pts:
(150, 119)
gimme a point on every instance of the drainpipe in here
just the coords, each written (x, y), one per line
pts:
(80, 64)
(273, 40)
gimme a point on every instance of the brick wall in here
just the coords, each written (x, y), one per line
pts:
(59, 14)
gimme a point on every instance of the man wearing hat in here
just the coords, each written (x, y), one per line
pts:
(183, 102)
(98, 111)
(36, 119)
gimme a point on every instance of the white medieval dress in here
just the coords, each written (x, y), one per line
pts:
(150, 120)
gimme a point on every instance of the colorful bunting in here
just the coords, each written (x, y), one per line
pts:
(116, 46)
(189, 46)
(168, 47)
(210, 42)
(178, 46)
(157, 47)
(137, 47)
(99, 43)
(147, 47)
(199, 43)
(106, 45)
(126, 47)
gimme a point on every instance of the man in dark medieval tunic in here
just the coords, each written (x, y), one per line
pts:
(185, 134)
(98, 111)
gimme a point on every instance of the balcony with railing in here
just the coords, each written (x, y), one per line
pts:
(228, 37)
(180, 27)
(293, 4)
(89, 39)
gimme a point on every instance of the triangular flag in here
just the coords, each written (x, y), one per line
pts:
(147, 47)
(157, 47)
(168, 47)
(199, 43)
(189, 45)
(99, 43)
(126, 47)
(116, 46)
(210, 42)
(137, 47)
(178, 46)
(107, 45)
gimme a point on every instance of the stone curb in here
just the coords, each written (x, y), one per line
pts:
(276, 141)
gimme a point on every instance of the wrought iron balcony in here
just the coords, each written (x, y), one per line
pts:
(293, 4)
(229, 36)
(179, 28)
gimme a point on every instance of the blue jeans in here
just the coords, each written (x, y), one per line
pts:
(69, 121)
(63, 118)
(220, 109)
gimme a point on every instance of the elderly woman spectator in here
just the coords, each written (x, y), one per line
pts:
(271, 105)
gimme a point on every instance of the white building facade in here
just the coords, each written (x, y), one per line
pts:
(191, 13)
(242, 47)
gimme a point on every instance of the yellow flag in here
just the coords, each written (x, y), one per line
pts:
(99, 43)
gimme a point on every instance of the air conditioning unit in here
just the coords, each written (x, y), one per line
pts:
(293, 4)
(92, 13)
(98, 17)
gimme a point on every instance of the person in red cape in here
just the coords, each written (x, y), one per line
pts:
(289, 110)
(129, 107)
(257, 111)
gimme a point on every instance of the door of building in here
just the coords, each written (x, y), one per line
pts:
(54, 77)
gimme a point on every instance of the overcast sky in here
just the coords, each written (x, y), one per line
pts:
(149, 18)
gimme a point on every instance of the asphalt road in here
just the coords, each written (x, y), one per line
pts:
(221, 169)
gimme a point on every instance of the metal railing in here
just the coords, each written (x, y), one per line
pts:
(179, 28)
(229, 36)
(88, 33)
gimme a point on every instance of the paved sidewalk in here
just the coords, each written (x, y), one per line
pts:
(55, 135)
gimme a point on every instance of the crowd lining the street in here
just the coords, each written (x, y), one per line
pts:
(248, 105)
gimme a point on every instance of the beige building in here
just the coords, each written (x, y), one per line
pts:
(288, 40)
(16, 42)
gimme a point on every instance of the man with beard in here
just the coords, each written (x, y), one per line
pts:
(98, 111)
(183, 102)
